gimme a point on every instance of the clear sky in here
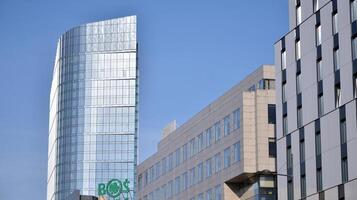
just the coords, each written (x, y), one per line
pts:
(190, 52)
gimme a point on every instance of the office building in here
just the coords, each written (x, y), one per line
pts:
(93, 108)
(316, 80)
(226, 151)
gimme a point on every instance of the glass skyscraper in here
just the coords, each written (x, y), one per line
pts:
(93, 109)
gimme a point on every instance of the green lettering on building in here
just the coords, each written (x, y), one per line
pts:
(115, 189)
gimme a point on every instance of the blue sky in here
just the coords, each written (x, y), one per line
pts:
(191, 52)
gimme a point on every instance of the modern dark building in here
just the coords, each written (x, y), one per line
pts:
(316, 77)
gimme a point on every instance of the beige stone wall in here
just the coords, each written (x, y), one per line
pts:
(253, 135)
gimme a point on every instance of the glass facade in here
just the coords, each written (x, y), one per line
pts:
(93, 109)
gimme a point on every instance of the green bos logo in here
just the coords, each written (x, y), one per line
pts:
(114, 188)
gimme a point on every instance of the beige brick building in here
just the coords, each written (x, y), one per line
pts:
(226, 151)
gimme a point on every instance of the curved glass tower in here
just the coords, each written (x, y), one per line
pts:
(93, 109)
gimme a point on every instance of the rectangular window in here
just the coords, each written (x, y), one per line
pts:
(209, 137)
(226, 125)
(200, 173)
(283, 60)
(283, 93)
(227, 157)
(217, 162)
(289, 163)
(237, 152)
(319, 179)
(163, 165)
(272, 147)
(302, 151)
(320, 105)
(318, 35)
(177, 185)
(335, 23)
(218, 192)
(217, 131)
(336, 59)
(338, 95)
(353, 11)
(303, 186)
(319, 70)
(298, 50)
(344, 168)
(298, 15)
(200, 196)
(192, 147)
(184, 152)
(318, 144)
(236, 118)
(184, 181)
(298, 84)
(177, 157)
(299, 117)
(343, 132)
(192, 176)
(316, 5)
(290, 190)
(208, 168)
(170, 188)
(354, 48)
(285, 125)
(209, 194)
(200, 141)
(271, 114)
(355, 86)
(171, 162)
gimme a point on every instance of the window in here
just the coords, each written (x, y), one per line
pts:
(184, 181)
(355, 85)
(302, 151)
(298, 50)
(338, 95)
(177, 157)
(298, 15)
(208, 168)
(289, 163)
(192, 147)
(290, 190)
(209, 194)
(170, 188)
(226, 125)
(200, 173)
(336, 59)
(334, 23)
(218, 192)
(271, 114)
(285, 125)
(319, 70)
(217, 131)
(227, 157)
(318, 35)
(344, 170)
(283, 60)
(354, 48)
(298, 84)
(284, 93)
(208, 137)
(163, 165)
(192, 176)
(299, 117)
(272, 147)
(184, 152)
(200, 141)
(200, 196)
(316, 5)
(303, 186)
(353, 10)
(319, 179)
(236, 119)
(171, 162)
(157, 169)
(177, 185)
(343, 131)
(318, 143)
(217, 162)
(237, 152)
(320, 105)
